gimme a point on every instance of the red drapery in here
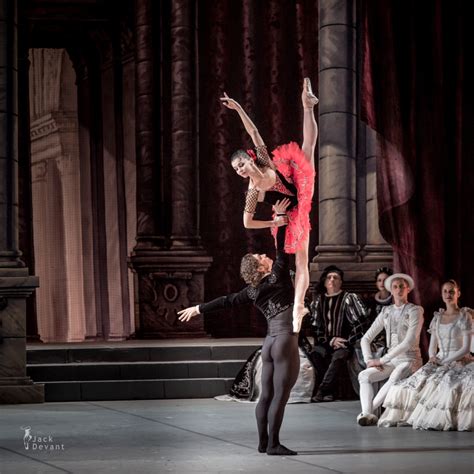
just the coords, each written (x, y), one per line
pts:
(417, 93)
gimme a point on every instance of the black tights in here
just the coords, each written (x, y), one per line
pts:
(280, 368)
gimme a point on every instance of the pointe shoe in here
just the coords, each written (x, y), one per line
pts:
(311, 98)
(298, 319)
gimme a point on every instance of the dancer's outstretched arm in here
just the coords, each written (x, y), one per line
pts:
(223, 302)
(248, 124)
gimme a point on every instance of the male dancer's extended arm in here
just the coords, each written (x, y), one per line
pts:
(228, 301)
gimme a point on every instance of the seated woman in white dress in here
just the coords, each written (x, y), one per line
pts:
(439, 396)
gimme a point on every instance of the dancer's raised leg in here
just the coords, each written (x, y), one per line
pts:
(310, 136)
(301, 285)
(310, 127)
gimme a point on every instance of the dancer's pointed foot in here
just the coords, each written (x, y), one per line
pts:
(299, 312)
(280, 450)
(308, 98)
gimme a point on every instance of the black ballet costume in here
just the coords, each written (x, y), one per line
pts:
(273, 296)
(282, 189)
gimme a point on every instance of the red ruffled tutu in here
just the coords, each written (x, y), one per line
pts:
(292, 163)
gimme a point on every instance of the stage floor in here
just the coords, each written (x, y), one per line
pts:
(209, 436)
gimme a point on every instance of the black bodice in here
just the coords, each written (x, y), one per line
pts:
(272, 196)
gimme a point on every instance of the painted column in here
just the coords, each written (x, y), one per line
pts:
(15, 282)
(69, 171)
(84, 138)
(168, 260)
(348, 221)
(338, 132)
(127, 50)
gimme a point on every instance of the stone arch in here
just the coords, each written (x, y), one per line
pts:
(57, 213)
(84, 187)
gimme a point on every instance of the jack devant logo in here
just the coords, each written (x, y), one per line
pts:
(40, 443)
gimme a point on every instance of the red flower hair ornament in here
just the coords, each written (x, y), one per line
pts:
(252, 155)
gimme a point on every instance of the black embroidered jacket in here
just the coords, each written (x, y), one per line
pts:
(349, 318)
(273, 295)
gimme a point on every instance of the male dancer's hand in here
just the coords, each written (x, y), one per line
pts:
(280, 206)
(279, 221)
(280, 209)
(188, 313)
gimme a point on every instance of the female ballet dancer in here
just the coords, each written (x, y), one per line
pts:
(289, 174)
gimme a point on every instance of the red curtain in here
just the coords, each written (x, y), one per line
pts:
(417, 93)
(257, 52)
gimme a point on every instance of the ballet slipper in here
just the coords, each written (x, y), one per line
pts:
(281, 450)
(312, 99)
(298, 315)
(262, 448)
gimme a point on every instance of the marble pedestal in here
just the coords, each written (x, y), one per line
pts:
(15, 387)
(168, 281)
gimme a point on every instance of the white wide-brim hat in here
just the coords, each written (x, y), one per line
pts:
(388, 281)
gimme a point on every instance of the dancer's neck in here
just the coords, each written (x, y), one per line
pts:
(262, 180)
(400, 302)
(333, 293)
(451, 309)
(382, 294)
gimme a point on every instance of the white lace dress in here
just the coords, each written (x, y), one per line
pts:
(437, 397)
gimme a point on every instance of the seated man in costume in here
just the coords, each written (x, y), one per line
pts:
(402, 322)
(339, 320)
